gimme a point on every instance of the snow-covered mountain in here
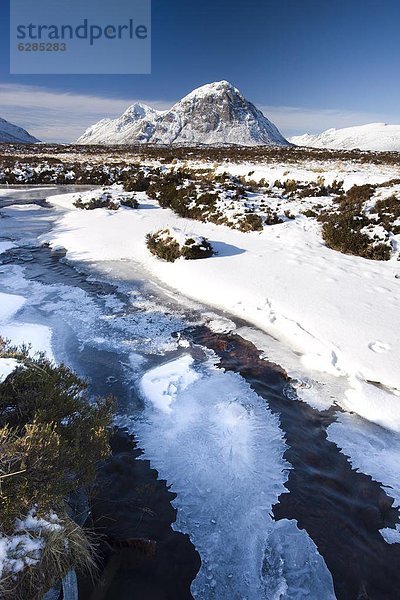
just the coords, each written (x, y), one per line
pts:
(12, 133)
(136, 123)
(374, 136)
(214, 114)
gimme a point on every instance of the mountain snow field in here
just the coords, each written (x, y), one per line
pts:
(379, 137)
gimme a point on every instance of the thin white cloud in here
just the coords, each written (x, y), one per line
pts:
(56, 116)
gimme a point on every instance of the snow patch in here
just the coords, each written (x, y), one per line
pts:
(374, 403)
(7, 366)
(24, 547)
(38, 336)
(10, 304)
(161, 385)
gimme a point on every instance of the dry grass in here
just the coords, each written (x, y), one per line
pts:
(70, 547)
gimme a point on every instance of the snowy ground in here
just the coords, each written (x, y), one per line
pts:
(338, 311)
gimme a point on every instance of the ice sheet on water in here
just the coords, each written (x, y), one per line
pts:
(222, 449)
(163, 383)
(374, 451)
(292, 568)
(105, 322)
(391, 536)
(10, 304)
(371, 449)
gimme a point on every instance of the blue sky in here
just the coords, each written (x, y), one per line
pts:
(308, 64)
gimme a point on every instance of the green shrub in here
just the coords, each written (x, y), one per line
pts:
(51, 439)
(49, 432)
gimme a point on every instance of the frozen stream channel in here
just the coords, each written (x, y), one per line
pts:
(271, 505)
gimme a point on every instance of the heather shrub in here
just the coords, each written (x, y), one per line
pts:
(388, 210)
(51, 439)
(129, 202)
(51, 435)
(138, 183)
(343, 229)
(165, 245)
(104, 201)
(193, 250)
(251, 222)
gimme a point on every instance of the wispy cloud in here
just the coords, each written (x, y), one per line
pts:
(57, 116)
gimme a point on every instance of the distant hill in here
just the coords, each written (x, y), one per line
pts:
(374, 136)
(12, 133)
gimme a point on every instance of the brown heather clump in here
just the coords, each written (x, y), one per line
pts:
(137, 183)
(342, 228)
(165, 248)
(93, 203)
(162, 244)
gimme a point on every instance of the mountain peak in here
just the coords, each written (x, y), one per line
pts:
(214, 88)
(139, 110)
(213, 114)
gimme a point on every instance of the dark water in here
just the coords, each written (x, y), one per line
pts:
(142, 556)
(341, 510)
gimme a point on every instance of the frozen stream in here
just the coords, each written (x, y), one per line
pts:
(271, 505)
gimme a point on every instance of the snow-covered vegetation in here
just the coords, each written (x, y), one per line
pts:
(105, 199)
(172, 243)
